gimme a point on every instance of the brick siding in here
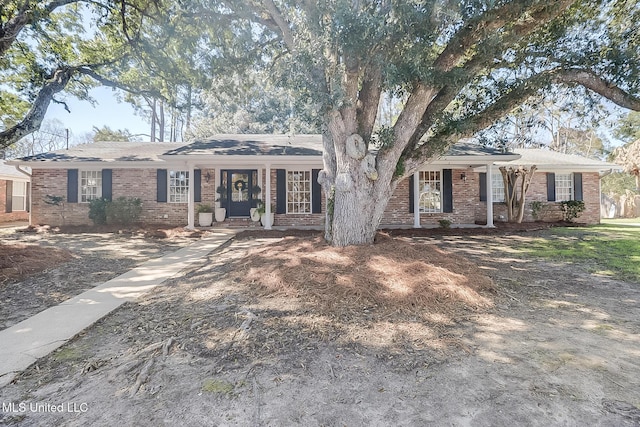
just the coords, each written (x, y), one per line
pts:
(11, 216)
(467, 207)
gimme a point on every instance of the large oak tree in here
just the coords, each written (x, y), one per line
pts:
(460, 65)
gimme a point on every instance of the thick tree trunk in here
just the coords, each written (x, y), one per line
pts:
(356, 197)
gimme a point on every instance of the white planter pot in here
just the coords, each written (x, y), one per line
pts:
(221, 214)
(255, 216)
(205, 219)
(264, 218)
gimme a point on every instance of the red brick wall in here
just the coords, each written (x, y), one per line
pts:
(467, 208)
(465, 202)
(11, 216)
(550, 211)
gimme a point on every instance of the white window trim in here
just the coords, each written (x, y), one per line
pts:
(500, 191)
(24, 196)
(186, 171)
(432, 212)
(99, 187)
(572, 191)
(310, 192)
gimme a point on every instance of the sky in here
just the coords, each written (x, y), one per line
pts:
(106, 112)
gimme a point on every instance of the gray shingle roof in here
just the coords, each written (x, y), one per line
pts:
(9, 172)
(219, 145)
(107, 152)
(254, 145)
(547, 159)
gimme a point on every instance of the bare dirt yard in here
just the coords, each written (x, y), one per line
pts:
(436, 328)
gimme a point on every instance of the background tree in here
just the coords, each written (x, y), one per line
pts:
(107, 134)
(53, 49)
(51, 136)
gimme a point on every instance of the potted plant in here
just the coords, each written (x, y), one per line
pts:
(262, 211)
(256, 212)
(220, 211)
(205, 215)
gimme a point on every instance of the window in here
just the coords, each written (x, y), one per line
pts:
(90, 185)
(497, 187)
(564, 187)
(298, 191)
(19, 196)
(430, 187)
(178, 186)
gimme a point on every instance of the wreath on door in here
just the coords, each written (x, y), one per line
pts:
(240, 185)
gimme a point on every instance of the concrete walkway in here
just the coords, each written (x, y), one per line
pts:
(24, 343)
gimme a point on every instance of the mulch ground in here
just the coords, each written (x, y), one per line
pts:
(20, 260)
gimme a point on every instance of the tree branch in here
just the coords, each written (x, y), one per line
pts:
(522, 17)
(282, 24)
(113, 84)
(600, 86)
(33, 119)
(368, 101)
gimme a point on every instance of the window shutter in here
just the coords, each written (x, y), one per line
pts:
(161, 185)
(107, 188)
(197, 185)
(551, 187)
(8, 207)
(447, 190)
(281, 191)
(411, 195)
(577, 186)
(483, 186)
(28, 196)
(316, 192)
(72, 185)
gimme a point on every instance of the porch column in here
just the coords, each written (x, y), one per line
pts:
(416, 200)
(489, 196)
(267, 208)
(191, 208)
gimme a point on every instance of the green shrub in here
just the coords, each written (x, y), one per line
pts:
(445, 223)
(571, 209)
(124, 210)
(536, 207)
(98, 211)
(204, 208)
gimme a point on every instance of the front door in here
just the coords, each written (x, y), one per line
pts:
(240, 186)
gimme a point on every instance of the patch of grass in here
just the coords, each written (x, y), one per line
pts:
(211, 385)
(609, 249)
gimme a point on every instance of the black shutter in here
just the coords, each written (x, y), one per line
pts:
(411, 195)
(483, 186)
(72, 185)
(281, 191)
(107, 188)
(447, 190)
(197, 185)
(161, 185)
(577, 186)
(316, 192)
(8, 207)
(551, 187)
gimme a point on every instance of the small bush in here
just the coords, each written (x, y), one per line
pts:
(445, 223)
(124, 210)
(536, 207)
(98, 211)
(571, 209)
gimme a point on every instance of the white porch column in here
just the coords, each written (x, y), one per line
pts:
(191, 211)
(489, 196)
(416, 200)
(267, 200)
